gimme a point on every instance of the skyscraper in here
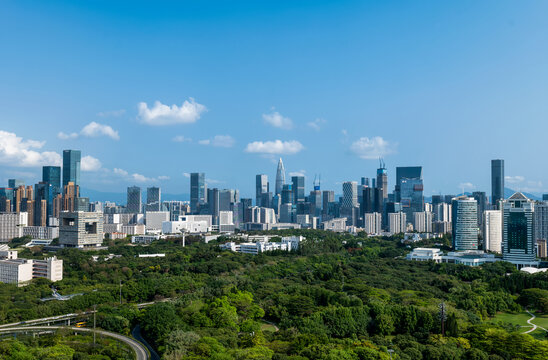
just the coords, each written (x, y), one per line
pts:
(328, 196)
(518, 244)
(261, 187)
(465, 223)
(287, 194)
(481, 199)
(154, 199)
(497, 181)
(52, 176)
(280, 177)
(197, 191)
(492, 230)
(133, 199)
(382, 179)
(71, 166)
(409, 189)
(298, 188)
(15, 183)
(350, 194)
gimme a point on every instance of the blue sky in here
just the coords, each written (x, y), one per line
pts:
(327, 85)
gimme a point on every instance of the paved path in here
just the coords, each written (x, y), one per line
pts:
(140, 351)
(533, 325)
(136, 333)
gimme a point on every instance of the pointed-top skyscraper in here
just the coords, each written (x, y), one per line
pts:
(280, 177)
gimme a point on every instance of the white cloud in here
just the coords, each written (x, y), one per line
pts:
(120, 172)
(514, 179)
(94, 129)
(213, 181)
(316, 124)
(277, 120)
(112, 113)
(181, 138)
(466, 185)
(61, 135)
(298, 173)
(219, 141)
(15, 151)
(161, 114)
(372, 148)
(187, 175)
(139, 178)
(275, 147)
(89, 163)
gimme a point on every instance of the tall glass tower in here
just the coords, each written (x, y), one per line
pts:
(497, 181)
(154, 199)
(133, 199)
(71, 166)
(465, 223)
(197, 191)
(280, 177)
(518, 243)
(261, 187)
(52, 176)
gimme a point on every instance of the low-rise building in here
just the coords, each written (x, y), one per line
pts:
(425, 254)
(144, 239)
(11, 225)
(18, 271)
(41, 232)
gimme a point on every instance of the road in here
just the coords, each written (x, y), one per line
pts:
(534, 326)
(136, 333)
(140, 351)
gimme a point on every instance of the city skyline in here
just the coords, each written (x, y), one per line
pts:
(234, 119)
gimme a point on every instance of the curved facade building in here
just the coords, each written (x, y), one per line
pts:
(465, 223)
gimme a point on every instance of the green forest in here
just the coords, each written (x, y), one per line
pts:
(338, 296)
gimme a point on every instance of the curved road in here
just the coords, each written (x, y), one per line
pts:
(533, 325)
(140, 351)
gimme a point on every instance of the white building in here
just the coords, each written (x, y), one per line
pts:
(155, 219)
(41, 232)
(422, 221)
(469, 258)
(136, 229)
(144, 239)
(372, 223)
(442, 212)
(17, 271)
(193, 224)
(336, 225)
(425, 254)
(11, 225)
(397, 222)
(492, 230)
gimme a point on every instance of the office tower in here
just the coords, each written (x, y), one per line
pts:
(540, 222)
(481, 199)
(298, 188)
(448, 199)
(492, 230)
(287, 194)
(373, 183)
(350, 194)
(365, 181)
(52, 176)
(43, 192)
(261, 187)
(154, 199)
(436, 199)
(70, 193)
(71, 166)
(397, 222)
(497, 182)
(328, 196)
(15, 183)
(315, 198)
(197, 191)
(266, 199)
(20, 194)
(372, 223)
(382, 180)
(133, 199)
(367, 200)
(287, 213)
(465, 223)
(6, 198)
(518, 243)
(409, 189)
(280, 177)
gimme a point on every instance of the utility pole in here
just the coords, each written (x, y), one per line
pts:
(120, 291)
(94, 321)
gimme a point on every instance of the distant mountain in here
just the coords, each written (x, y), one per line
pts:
(509, 192)
(121, 198)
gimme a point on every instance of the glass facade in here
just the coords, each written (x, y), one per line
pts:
(465, 223)
(52, 175)
(197, 191)
(71, 166)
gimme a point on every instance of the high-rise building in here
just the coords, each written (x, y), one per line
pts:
(350, 194)
(287, 194)
(397, 222)
(52, 176)
(15, 183)
(197, 191)
(365, 181)
(492, 230)
(540, 222)
(497, 181)
(372, 223)
(518, 243)
(328, 196)
(280, 177)
(481, 199)
(541, 248)
(70, 193)
(382, 180)
(298, 188)
(409, 189)
(43, 191)
(442, 212)
(261, 187)
(154, 199)
(422, 222)
(71, 166)
(133, 199)
(465, 223)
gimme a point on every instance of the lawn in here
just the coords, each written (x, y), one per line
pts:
(521, 319)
